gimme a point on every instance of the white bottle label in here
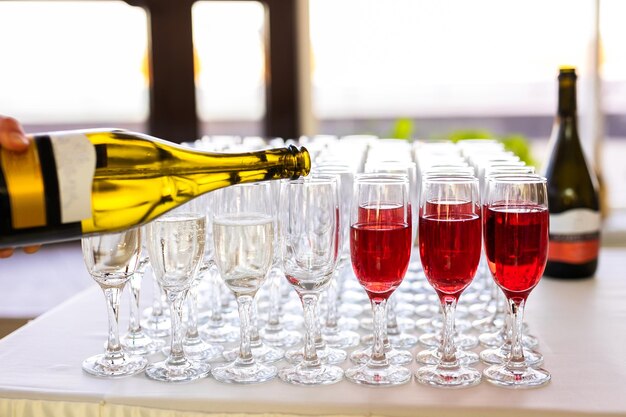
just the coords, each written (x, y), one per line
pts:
(575, 222)
(75, 158)
(574, 236)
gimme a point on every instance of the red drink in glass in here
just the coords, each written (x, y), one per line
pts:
(380, 245)
(516, 241)
(450, 237)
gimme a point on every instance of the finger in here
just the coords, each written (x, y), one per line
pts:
(31, 249)
(12, 135)
(5, 253)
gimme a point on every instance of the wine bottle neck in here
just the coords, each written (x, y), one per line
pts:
(567, 96)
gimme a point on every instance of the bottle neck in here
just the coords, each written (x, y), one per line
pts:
(567, 98)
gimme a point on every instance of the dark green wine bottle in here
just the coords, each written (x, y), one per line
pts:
(572, 193)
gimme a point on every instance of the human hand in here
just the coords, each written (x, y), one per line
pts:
(12, 137)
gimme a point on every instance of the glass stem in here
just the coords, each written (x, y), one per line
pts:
(273, 318)
(216, 298)
(380, 322)
(244, 303)
(309, 304)
(332, 301)
(176, 300)
(112, 295)
(135, 290)
(157, 305)
(255, 337)
(448, 306)
(517, 315)
(392, 318)
(192, 312)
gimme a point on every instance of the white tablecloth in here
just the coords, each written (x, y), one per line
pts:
(581, 326)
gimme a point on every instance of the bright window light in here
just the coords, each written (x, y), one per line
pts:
(230, 60)
(422, 58)
(73, 61)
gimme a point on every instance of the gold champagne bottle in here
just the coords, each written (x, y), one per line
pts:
(76, 183)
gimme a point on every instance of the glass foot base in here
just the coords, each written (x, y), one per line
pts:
(524, 377)
(280, 338)
(140, 343)
(220, 334)
(340, 338)
(320, 375)
(497, 339)
(120, 366)
(185, 372)
(400, 341)
(433, 357)
(379, 376)
(199, 351)
(464, 341)
(157, 326)
(394, 356)
(500, 356)
(251, 373)
(448, 377)
(262, 353)
(327, 355)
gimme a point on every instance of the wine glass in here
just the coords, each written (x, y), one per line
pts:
(332, 331)
(136, 340)
(274, 332)
(450, 244)
(243, 234)
(516, 245)
(311, 246)
(111, 259)
(217, 325)
(380, 248)
(175, 246)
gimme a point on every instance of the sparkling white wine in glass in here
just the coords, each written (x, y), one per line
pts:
(244, 249)
(176, 248)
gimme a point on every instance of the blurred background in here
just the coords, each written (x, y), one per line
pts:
(361, 66)
(416, 69)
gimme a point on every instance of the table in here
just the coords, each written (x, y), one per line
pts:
(580, 325)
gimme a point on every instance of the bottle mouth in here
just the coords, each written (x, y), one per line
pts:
(302, 165)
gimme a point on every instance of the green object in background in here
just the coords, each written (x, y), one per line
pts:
(515, 142)
(403, 129)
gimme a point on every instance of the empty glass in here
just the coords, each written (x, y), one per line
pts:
(111, 259)
(311, 246)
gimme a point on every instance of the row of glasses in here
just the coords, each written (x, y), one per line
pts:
(314, 329)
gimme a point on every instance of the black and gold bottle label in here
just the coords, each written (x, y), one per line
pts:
(46, 190)
(24, 188)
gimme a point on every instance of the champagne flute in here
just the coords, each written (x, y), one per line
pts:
(311, 247)
(111, 259)
(136, 340)
(516, 245)
(332, 332)
(175, 246)
(274, 332)
(243, 234)
(380, 247)
(450, 244)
